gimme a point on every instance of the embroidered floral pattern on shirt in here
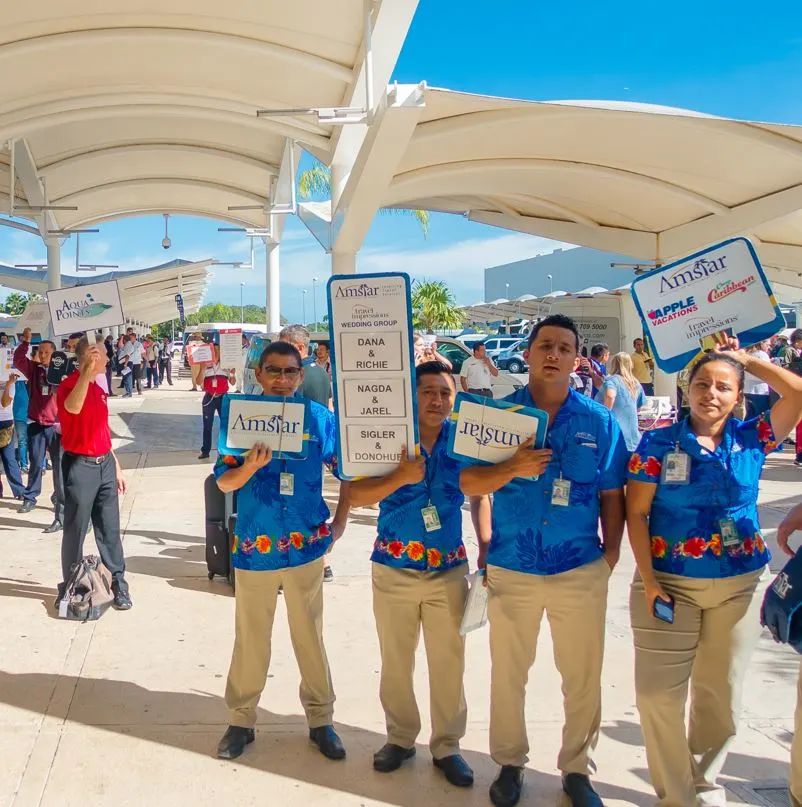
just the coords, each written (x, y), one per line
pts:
(416, 551)
(765, 434)
(651, 467)
(264, 544)
(696, 547)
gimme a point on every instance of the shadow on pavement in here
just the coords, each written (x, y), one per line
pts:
(281, 746)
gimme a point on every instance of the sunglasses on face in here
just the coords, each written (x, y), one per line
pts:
(277, 372)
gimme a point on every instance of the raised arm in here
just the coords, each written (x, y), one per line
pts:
(21, 360)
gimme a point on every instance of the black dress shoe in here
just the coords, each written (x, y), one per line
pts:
(580, 790)
(326, 739)
(506, 790)
(27, 506)
(234, 741)
(456, 770)
(56, 526)
(390, 757)
(204, 455)
(122, 600)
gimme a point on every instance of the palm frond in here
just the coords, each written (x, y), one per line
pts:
(315, 182)
(434, 306)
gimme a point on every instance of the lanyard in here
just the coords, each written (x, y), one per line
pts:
(560, 448)
(725, 465)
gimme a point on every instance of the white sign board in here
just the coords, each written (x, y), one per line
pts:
(722, 288)
(36, 317)
(85, 308)
(6, 362)
(231, 348)
(373, 363)
(200, 353)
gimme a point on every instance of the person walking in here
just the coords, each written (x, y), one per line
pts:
(281, 537)
(477, 372)
(546, 556)
(43, 435)
(419, 564)
(20, 411)
(693, 524)
(623, 394)
(215, 386)
(643, 367)
(152, 352)
(166, 361)
(93, 478)
(8, 454)
(135, 352)
(108, 346)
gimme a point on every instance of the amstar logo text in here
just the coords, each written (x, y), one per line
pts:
(491, 436)
(363, 290)
(274, 424)
(684, 275)
(729, 287)
(681, 308)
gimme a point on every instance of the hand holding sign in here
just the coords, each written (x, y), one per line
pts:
(527, 461)
(411, 471)
(259, 456)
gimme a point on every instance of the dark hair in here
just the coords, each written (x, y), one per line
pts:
(81, 347)
(76, 335)
(432, 368)
(280, 349)
(554, 321)
(48, 342)
(796, 335)
(597, 351)
(636, 340)
(477, 345)
(709, 358)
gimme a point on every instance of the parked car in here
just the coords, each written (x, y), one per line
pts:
(456, 352)
(512, 359)
(497, 344)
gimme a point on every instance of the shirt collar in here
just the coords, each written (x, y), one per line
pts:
(689, 442)
(441, 440)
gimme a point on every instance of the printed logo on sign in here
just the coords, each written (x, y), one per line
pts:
(782, 585)
(274, 424)
(362, 290)
(489, 436)
(80, 309)
(687, 274)
(730, 287)
(681, 308)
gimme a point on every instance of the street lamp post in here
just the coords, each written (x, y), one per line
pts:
(241, 307)
(551, 283)
(303, 321)
(314, 302)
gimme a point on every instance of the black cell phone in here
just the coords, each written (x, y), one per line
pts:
(664, 609)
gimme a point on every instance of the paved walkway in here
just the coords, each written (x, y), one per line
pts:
(128, 710)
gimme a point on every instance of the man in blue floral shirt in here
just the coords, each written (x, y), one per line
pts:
(419, 567)
(281, 537)
(545, 555)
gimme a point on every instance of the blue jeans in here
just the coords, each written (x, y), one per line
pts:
(8, 456)
(21, 436)
(128, 383)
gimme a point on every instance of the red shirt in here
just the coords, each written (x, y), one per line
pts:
(42, 404)
(88, 432)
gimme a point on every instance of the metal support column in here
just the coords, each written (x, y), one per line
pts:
(343, 263)
(273, 302)
(53, 264)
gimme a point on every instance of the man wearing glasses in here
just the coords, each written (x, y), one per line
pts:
(281, 537)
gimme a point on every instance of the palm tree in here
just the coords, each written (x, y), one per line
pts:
(315, 182)
(434, 306)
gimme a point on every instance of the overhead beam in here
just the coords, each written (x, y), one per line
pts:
(686, 238)
(283, 199)
(375, 165)
(390, 25)
(28, 175)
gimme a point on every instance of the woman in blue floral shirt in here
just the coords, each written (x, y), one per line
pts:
(693, 524)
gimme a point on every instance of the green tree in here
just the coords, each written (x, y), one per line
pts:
(315, 183)
(15, 302)
(434, 306)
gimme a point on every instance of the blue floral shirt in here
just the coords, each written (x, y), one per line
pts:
(403, 541)
(684, 522)
(275, 531)
(530, 534)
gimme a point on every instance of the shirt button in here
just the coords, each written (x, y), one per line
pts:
(545, 522)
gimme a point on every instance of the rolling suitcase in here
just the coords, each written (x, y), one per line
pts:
(218, 546)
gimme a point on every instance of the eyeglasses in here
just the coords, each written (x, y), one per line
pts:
(277, 372)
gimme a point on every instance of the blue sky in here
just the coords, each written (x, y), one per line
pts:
(734, 62)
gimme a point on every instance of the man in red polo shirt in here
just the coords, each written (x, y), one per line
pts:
(92, 475)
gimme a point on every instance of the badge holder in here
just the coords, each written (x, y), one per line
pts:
(676, 467)
(561, 492)
(431, 518)
(729, 532)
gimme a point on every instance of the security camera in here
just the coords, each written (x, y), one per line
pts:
(166, 243)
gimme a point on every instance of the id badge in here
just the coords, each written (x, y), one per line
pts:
(729, 531)
(431, 518)
(561, 492)
(286, 484)
(45, 389)
(214, 383)
(677, 468)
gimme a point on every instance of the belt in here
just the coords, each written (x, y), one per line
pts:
(86, 458)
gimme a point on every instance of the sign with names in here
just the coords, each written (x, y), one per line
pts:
(487, 431)
(280, 423)
(231, 348)
(36, 317)
(720, 289)
(85, 308)
(200, 353)
(6, 363)
(373, 362)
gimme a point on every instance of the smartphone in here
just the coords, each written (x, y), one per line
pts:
(664, 609)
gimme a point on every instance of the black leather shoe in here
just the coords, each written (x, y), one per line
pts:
(506, 790)
(580, 790)
(326, 739)
(56, 526)
(27, 506)
(122, 601)
(456, 770)
(204, 455)
(390, 757)
(234, 741)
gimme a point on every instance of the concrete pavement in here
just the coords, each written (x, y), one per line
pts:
(128, 710)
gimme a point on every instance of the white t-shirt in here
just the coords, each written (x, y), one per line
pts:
(476, 373)
(752, 384)
(135, 352)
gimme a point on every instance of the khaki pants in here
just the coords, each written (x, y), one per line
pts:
(403, 600)
(575, 603)
(795, 783)
(197, 371)
(709, 645)
(256, 597)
